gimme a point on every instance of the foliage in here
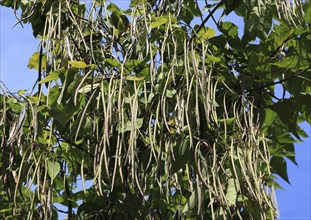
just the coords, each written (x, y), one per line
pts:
(168, 117)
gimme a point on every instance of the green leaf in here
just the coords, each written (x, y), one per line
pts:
(8, 3)
(181, 154)
(128, 125)
(229, 29)
(113, 62)
(158, 21)
(186, 15)
(132, 64)
(283, 150)
(288, 113)
(268, 118)
(52, 76)
(279, 166)
(192, 7)
(258, 22)
(53, 168)
(231, 5)
(139, 123)
(53, 95)
(34, 60)
(63, 113)
(113, 8)
(305, 108)
(170, 93)
(307, 16)
(227, 121)
(88, 88)
(241, 198)
(212, 59)
(219, 41)
(191, 203)
(231, 194)
(25, 2)
(37, 20)
(78, 64)
(21, 92)
(205, 33)
(136, 2)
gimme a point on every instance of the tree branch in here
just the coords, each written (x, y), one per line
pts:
(207, 18)
(280, 81)
(39, 69)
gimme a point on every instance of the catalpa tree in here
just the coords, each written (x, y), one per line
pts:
(168, 117)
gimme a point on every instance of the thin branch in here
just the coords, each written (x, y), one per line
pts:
(40, 69)
(213, 18)
(281, 45)
(280, 81)
(67, 191)
(207, 18)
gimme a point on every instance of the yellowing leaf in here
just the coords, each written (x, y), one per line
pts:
(113, 8)
(159, 21)
(34, 60)
(212, 59)
(170, 93)
(21, 92)
(78, 64)
(206, 33)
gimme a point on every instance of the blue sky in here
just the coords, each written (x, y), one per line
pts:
(17, 45)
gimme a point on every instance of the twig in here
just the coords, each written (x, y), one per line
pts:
(280, 81)
(281, 45)
(207, 18)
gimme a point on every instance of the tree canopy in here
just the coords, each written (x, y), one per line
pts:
(168, 117)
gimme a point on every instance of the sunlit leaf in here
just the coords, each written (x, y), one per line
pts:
(158, 21)
(229, 29)
(78, 64)
(34, 60)
(113, 7)
(53, 168)
(51, 76)
(170, 93)
(206, 33)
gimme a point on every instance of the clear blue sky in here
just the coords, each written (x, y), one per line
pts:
(18, 44)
